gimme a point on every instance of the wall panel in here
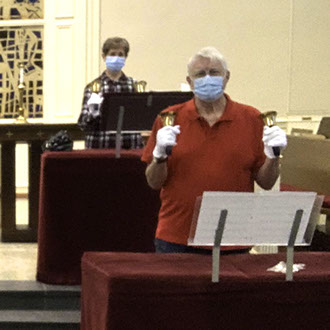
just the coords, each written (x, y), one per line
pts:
(310, 74)
(65, 59)
(266, 44)
(65, 9)
(64, 70)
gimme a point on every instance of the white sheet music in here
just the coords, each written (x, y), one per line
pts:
(261, 218)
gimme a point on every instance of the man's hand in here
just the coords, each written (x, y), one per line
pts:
(273, 137)
(166, 136)
(94, 104)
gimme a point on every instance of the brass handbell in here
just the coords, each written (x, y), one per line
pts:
(168, 119)
(269, 119)
(140, 86)
(96, 86)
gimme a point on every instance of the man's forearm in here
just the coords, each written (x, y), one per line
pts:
(268, 173)
(156, 174)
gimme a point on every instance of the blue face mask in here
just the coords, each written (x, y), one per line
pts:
(114, 63)
(208, 88)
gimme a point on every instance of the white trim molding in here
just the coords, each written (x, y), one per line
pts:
(71, 56)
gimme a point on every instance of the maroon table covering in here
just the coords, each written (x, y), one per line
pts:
(174, 292)
(91, 201)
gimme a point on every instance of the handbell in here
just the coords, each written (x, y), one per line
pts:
(96, 86)
(140, 86)
(269, 119)
(168, 119)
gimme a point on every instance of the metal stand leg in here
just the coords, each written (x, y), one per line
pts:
(290, 247)
(216, 246)
(119, 127)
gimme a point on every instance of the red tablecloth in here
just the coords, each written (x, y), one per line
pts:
(174, 292)
(91, 201)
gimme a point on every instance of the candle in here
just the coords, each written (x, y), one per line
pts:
(21, 74)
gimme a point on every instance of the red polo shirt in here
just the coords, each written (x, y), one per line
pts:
(223, 157)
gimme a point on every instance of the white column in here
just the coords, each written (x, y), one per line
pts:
(71, 51)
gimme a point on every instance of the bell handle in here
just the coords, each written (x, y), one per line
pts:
(276, 151)
(168, 150)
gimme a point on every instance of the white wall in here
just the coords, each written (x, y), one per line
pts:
(278, 50)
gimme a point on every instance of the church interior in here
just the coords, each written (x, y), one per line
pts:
(63, 265)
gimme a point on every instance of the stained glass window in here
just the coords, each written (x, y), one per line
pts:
(21, 9)
(21, 45)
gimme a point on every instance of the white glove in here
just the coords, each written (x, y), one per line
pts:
(166, 136)
(273, 137)
(94, 104)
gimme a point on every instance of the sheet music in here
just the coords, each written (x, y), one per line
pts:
(261, 218)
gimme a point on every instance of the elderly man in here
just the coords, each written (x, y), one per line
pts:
(217, 145)
(112, 80)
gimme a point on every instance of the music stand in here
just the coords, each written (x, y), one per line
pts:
(261, 218)
(135, 111)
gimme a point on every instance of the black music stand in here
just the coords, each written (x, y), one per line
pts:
(135, 111)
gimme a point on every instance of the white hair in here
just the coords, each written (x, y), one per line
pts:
(208, 52)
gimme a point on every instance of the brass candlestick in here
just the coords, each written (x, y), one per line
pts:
(269, 119)
(21, 118)
(168, 119)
